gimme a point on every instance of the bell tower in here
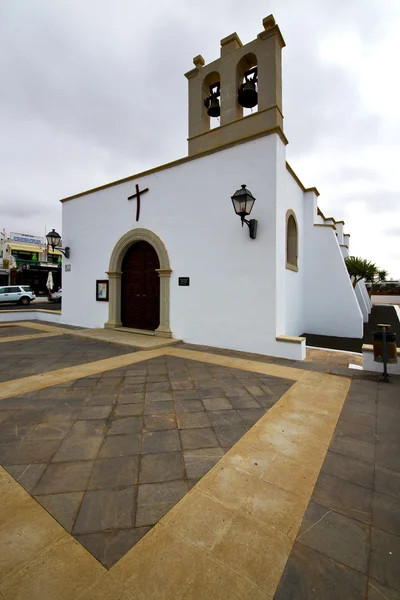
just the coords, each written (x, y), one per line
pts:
(222, 93)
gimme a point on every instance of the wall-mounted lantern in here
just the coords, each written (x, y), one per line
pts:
(243, 201)
(53, 239)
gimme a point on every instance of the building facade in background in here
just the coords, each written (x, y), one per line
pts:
(26, 260)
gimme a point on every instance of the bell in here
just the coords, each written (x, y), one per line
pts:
(214, 109)
(247, 95)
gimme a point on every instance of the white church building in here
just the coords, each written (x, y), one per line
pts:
(177, 261)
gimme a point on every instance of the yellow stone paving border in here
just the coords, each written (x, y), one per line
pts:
(44, 331)
(32, 383)
(19, 338)
(37, 326)
(238, 363)
(230, 536)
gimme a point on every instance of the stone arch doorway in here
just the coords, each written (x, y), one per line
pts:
(125, 248)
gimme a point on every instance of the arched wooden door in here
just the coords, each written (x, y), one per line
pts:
(140, 288)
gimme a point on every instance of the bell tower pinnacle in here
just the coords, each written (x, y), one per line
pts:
(222, 93)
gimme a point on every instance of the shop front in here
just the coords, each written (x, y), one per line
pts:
(30, 261)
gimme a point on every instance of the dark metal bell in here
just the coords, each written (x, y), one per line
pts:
(214, 109)
(247, 96)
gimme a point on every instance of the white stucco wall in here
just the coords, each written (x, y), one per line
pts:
(331, 306)
(344, 251)
(228, 302)
(339, 232)
(291, 301)
(381, 299)
(364, 307)
(365, 295)
(241, 295)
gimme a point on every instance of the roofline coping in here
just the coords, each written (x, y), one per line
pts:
(176, 163)
(300, 184)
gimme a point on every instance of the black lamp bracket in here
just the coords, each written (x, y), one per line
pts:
(65, 251)
(252, 225)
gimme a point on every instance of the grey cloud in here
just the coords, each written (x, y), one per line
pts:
(104, 92)
(22, 210)
(93, 91)
(375, 201)
(349, 174)
(395, 231)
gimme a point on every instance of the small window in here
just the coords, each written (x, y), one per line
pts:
(27, 288)
(292, 241)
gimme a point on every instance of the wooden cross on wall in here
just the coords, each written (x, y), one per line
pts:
(137, 196)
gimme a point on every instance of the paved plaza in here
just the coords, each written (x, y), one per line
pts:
(189, 472)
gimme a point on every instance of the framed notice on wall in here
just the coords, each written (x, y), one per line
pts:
(102, 290)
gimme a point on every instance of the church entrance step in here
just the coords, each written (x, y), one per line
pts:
(124, 337)
(132, 330)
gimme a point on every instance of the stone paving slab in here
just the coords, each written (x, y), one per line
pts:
(348, 545)
(231, 535)
(108, 455)
(10, 330)
(43, 354)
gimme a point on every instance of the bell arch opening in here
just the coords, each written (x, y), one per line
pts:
(211, 98)
(247, 85)
(115, 276)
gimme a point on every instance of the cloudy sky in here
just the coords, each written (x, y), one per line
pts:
(93, 90)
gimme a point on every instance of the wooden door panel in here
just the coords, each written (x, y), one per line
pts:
(140, 288)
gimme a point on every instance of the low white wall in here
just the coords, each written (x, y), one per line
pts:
(370, 365)
(30, 315)
(364, 306)
(292, 351)
(397, 309)
(385, 299)
(365, 295)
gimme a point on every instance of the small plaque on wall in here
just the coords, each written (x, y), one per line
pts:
(67, 267)
(102, 290)
(183, 280)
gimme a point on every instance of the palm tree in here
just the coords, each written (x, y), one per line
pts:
(382, 274)
(359, 268)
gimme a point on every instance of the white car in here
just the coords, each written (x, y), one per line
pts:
(18, 294)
